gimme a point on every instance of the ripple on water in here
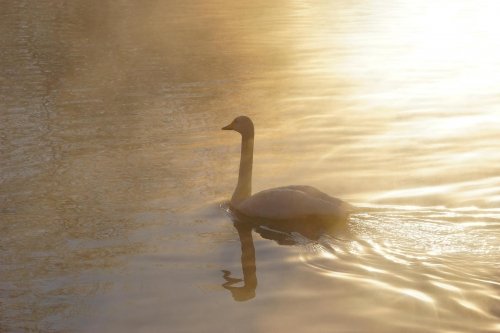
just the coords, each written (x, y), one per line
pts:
(441, 259)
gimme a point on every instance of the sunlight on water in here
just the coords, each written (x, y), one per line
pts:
(446, 286)
(411, 272)
(418, 295)
(432, 38)
(435, 264)
(421, 89)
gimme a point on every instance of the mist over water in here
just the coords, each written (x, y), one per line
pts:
(115, 176)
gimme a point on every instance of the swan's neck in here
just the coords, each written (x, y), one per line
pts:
(244, 188)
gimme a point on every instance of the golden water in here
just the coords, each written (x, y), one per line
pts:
(114, 173)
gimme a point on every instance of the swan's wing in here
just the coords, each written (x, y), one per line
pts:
(291, 202)
(313, 192)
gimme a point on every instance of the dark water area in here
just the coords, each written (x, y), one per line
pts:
(115, 176)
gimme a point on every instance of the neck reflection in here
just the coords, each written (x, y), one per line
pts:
(247, 291)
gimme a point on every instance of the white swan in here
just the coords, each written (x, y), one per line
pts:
(281, 203)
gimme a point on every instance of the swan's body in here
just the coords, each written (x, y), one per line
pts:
(281, 203)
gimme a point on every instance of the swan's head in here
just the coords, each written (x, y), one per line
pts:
(241, 124)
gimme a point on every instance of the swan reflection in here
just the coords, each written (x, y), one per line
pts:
(247, 291)
(280, 231)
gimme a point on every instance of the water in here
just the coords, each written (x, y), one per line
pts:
(115, 174)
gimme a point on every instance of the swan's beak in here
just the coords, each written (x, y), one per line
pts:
(228, 127)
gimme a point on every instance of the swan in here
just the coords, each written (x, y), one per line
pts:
(293, 202)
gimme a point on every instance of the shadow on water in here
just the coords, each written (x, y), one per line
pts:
(281, 231)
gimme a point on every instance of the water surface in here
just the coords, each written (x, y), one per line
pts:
(115, 176)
